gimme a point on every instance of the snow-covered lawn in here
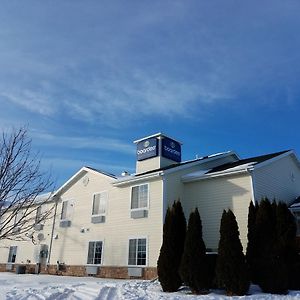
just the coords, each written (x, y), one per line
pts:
(27, 286)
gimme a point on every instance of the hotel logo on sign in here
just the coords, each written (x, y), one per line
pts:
(171, 149)
(147, 149)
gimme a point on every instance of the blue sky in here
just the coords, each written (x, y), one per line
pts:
(89, 77)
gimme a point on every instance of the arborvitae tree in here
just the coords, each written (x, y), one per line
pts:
(272, 270)
(251, 247)
(231, 267)
(251, 252)
(265, 228)
(285, 233)
(193, 267)
(179, 231)
(171, 250)
(286, 248)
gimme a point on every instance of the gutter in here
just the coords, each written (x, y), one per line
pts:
(252, 182)
(215, 175)
(137, 179)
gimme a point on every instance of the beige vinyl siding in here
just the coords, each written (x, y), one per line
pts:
(71, 247)
(124, 227)
(212, 196)
(27, 251)
(147, 164)
(71, 244)
(275, 180)
(174, 188)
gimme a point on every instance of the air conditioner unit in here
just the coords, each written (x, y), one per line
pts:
(135, 272)
(98, 219)
(65, 223)
(91, 270)
(137, 214)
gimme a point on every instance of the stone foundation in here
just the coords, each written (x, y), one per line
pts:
(148, 273)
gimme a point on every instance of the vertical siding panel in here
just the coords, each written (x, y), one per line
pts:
(275, 180)
(212, 196)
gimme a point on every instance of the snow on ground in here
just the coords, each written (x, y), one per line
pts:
(40, 287)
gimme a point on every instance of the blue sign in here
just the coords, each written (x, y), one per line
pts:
(171, 149)
(146, 149)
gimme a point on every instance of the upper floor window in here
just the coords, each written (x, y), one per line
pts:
(99, 203)
(66, 213)
(12, 254)
(140, 196)
(64, 210)
(67, 209)
(137, 255)
(95, 253)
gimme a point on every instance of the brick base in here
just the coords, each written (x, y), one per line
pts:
(103, 271)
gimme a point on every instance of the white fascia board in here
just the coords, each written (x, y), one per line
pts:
(69, 182)
(147, 137)
(194, 175)
(271, 160)
(295, 206)
(138, 179)
(76, 176)
(200, 161)
(187, 165)
(214, 175)
(155, 135)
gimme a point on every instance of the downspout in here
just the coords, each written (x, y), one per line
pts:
(164, 198)
(52, 231)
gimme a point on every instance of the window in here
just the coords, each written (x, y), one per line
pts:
(66, 213)
(64, 210)
(38, 215)
(95, 253)
(137, 252)
(99, 203)
(139, 196)
(12, 254)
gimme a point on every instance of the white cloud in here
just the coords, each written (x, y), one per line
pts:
(31, 100)
(91, 142)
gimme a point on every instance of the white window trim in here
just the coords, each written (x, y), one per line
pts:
(102, 252)
(148, 200)
(106, 204)
(147, 251)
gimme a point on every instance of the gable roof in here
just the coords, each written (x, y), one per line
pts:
(188, 162)
(80, 174)
(242, 165)
(174, 167)
(247, 161)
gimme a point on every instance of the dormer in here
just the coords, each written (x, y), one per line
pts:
(156, 151)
